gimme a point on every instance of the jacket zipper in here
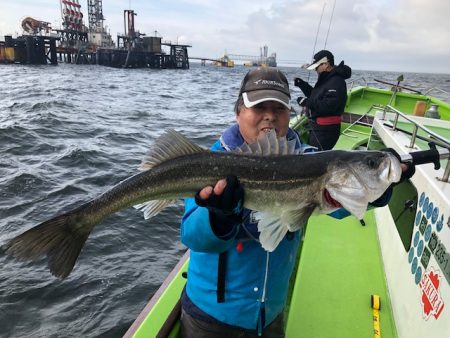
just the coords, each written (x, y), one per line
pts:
(262, 309)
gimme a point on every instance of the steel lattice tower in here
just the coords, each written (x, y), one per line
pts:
(95, 14)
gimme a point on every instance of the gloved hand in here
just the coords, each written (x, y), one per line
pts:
(303, 101)
(298, 81)
(407, 172)
(225, 210)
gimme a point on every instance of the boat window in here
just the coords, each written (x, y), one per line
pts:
(403, 203)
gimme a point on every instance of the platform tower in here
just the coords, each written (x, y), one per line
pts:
(73, 34)
(98, 36)
(71, 15)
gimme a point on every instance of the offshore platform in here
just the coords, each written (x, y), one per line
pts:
(76, 43)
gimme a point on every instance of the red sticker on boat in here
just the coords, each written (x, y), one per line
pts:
(432, 301)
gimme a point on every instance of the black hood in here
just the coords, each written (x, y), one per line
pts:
(343, 70)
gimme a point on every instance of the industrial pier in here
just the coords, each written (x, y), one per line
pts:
(137, 50)
(29, 49)
(78, 44)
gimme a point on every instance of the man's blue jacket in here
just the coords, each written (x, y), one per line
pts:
(256, 282)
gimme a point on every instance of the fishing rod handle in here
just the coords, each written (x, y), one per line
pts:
(432, 155)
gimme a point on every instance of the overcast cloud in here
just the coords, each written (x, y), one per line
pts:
(390, 35)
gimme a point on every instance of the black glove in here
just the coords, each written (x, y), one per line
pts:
(225, 210)
(303, 101)
(409, 172)
(298, 82)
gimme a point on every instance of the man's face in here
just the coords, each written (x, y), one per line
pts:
(262, 118)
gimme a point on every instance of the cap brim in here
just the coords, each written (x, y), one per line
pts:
(253, 98)
(318, 63)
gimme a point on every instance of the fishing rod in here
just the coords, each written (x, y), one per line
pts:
(329, 25)
(303, 110)
(315, 41)
(318, 28)
(398, 86)
(432, 155)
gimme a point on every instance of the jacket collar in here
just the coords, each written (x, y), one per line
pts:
(231, 138)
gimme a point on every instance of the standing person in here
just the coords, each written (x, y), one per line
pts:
(234, 287)
(325, 102)
(223, 238)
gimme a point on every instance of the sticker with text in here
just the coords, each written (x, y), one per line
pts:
(432, 301)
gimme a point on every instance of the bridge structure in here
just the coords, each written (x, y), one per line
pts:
(224, 61)
(251, 60)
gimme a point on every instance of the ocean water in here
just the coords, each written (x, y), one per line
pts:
(67, 134)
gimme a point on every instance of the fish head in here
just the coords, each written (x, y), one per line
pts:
(358, 178)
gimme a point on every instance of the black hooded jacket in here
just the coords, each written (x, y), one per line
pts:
(329, 95)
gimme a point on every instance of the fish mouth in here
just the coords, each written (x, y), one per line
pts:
(330, 200)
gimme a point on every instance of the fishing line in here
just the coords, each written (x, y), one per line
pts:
(317, 34)
(329, 25)
(303, 112)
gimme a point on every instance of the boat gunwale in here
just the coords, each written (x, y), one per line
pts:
(174, 313)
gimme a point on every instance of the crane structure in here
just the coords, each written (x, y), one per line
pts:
(34, 27)
(95, 14)
(71, 15)
(97, 35)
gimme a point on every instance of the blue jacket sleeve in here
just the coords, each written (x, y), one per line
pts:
(196, 231)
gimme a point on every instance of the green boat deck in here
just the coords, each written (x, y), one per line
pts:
(360, 98)
(340, 268)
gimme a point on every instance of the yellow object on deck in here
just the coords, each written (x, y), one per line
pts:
(419, 109)
(376, 307)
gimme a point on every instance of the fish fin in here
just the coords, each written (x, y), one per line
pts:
(169, 145)
(271, 230)
(60, 238)
(296, 219)
(269, 144)
(152, 208)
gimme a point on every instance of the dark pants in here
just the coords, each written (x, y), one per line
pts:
(196, 328)
(323, 137)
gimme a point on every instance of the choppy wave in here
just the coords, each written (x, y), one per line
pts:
(67, 134)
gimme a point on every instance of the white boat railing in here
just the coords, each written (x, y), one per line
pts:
(444, 153)
(436, 89)
(349, 130)
(357, 80)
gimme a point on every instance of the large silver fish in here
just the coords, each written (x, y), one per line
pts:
(286, 187)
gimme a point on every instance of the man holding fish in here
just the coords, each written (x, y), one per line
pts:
(248, 200)
(241, 260)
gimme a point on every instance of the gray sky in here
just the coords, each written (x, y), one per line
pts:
(390, 35)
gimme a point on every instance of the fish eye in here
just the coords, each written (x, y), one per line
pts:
(371, 163)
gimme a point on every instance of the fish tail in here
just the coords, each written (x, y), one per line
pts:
(60, 238)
